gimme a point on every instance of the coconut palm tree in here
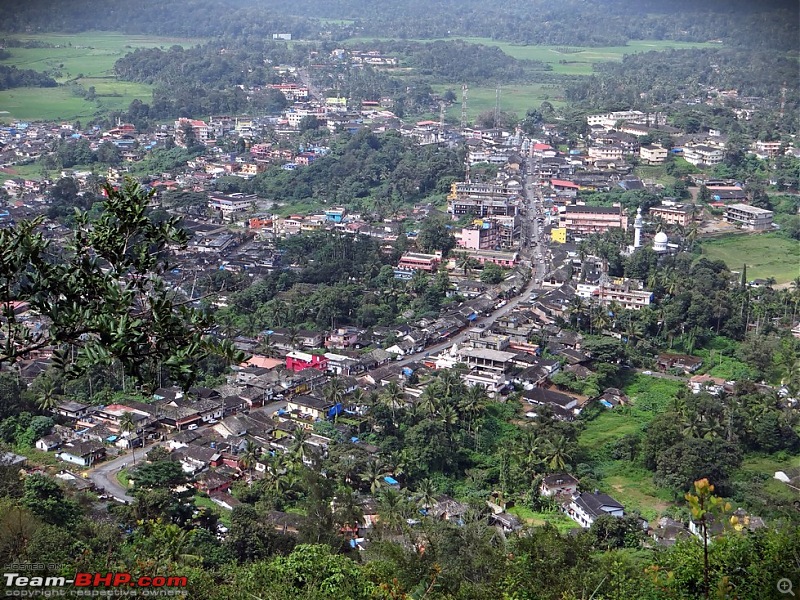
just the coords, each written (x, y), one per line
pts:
(249, 458)
(466, 262)
(431, 398)
(373, 475)
(48, 397)
(334, 391)
(127, 425)
(558, 454)
(472, 403)
(392, 397)
(426, 494)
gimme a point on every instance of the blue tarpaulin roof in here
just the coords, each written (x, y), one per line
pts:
(390, 480)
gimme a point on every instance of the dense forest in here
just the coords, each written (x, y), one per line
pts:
(571, 22)
(12, 77)
(365, 171)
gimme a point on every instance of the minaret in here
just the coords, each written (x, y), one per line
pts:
(637, 229)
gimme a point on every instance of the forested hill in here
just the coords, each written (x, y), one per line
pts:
(767, 23)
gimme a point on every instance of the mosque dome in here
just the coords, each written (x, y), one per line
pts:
(660, 242)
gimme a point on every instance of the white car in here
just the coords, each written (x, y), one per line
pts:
(647, 372)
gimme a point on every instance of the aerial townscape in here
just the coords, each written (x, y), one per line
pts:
(459, 300)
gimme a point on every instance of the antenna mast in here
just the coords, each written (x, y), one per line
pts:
(464, 95)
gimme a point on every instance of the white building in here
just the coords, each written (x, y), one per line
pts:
(586, 507)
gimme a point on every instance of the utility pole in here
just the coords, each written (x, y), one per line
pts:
(464, 96)
(497, 106)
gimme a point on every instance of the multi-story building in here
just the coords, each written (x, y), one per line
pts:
(628, 293)
(228, 205)
(749, 217)
(479, 236)
(416, 261)
(200, 129)
(768, 149)
(593, 219)
(701, 154)
(675, 214)
(606, 152)
(482, 200)
(653, 154)
(297, 361)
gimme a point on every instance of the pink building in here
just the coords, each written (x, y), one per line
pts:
(297, 361)
(479, 237)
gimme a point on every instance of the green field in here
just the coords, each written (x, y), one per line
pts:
(765, 254)
(567, 60)
(513, 98)
(86, 58)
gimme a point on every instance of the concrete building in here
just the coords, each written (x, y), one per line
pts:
(228, 205)
(628, 293)
(674, 214)
(200, 130)
(593, 219)
(701, 154)
(653, 154)
(749, 217)
(417, 261)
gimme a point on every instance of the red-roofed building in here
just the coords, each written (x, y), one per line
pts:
(560, 184)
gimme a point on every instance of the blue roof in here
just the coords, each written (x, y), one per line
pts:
(390, 480)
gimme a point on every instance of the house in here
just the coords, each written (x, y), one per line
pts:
(48, 443)
(668, 532)
(316, 408)
(559, 484)
(72, 410)
(448, 509)
(688, 364)
(564, 407)
(508, 523)
(84, 454)
(586, 507)
(743, 520)
(195, 458)
(342, 338)
(612, 397)
(297, 361)
(706, 383)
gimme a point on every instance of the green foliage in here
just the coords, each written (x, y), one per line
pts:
(104, 294)
(44, 498)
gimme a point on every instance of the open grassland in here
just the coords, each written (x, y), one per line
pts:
(87, 59)
(513, 98)
(765, 254)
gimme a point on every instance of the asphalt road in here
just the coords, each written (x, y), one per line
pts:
(104, 476)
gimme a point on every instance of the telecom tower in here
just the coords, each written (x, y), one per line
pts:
(464, 94)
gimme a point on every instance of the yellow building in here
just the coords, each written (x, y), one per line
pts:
(559, 235)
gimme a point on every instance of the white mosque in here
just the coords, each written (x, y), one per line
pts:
(661, 243)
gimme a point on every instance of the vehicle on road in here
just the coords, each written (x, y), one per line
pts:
(647, 372)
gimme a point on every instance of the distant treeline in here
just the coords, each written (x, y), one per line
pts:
(12, 77)
(763, 24)
(659, 78)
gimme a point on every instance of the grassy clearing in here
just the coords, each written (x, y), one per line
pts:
(91, 54)
(634, 487)
(556, 518)
(766, 255)
(513, 98)
(657, 173)
(630, 484)
(206, 502)
(44, 104)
